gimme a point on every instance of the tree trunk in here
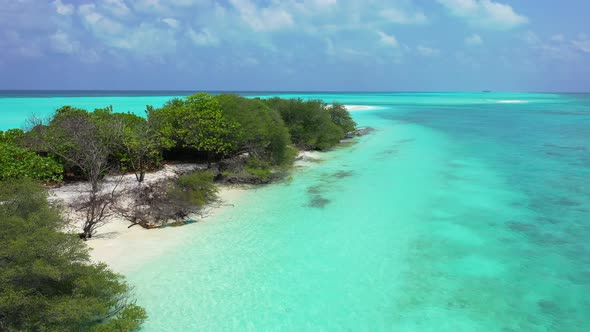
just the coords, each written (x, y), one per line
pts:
(209, 158)
(140, 176)
(141, 172)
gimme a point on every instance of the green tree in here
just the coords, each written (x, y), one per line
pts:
(309, 123)
(261, 131)
(197, 122)
(204, 126)
(140, 147)
(11, 136)
(341, 117)
(85, 141)
(17, 163)
(47, 282)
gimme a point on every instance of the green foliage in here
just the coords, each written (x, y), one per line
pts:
(94, 143)
(16, 163)
(11, 136)
(341, 117)
(194, 190)
(196, 122)
(47, 282)
(84, 142)
(310, 123)
(140, 147)
(261, 131)
(259, 169)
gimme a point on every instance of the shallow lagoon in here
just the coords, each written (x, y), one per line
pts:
(460, 212)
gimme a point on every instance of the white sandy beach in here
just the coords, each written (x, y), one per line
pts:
(126, 249)
(353, 108)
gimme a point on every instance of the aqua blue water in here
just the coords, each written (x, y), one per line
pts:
(460, 212)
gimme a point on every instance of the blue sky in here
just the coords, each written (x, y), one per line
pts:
(349, 45)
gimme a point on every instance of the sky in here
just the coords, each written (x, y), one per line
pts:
(295, 45)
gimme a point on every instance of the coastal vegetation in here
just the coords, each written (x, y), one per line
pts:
(47, 282)
(153, 205)
(241, 140)
(17, 162)
(313, 125)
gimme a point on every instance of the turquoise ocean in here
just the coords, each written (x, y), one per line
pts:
(460, 212)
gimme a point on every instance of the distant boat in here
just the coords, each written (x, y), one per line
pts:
(486, 91)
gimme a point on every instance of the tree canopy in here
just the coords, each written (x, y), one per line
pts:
(91, 144)
(261, 131)
(47, 282)
(198, 122)
(310, 123)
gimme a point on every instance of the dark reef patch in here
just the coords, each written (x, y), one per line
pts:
(342, 174)
(548, 307)
(522, 227)
(390, 151)
(573, 148)
(566, 202)
(564, 113)
(315, 189)
(318, 202)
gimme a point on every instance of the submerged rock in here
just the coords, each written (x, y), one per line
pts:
(360, 131)
(318, 201)
(343, 174)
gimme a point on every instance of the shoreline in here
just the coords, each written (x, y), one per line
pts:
(353, 108)
(125, 249)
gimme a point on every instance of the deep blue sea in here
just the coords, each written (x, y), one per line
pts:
(460, 212)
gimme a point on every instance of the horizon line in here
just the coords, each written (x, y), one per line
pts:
(282, 91)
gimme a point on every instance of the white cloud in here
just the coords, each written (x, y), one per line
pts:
(188, 3)
(89, 14)
(485, 13)
(320, 3)
(173, 23)
(147, 40)
(531, 38)
(558, 38)
(100, 25)
(149, 6)
(262, 19)
(427, 51)
(400, 16)
(249, 62)
(473, 40)
(388, 40)
(203, 38)
(62, 8)
(61, 43)
(550, 50)
(116, 7)
(582, 44)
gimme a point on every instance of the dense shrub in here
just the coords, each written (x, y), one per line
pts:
(92, 144)
(196, 122)
(261, 131)
(341, 117)
(156, 204)
(47, 282)
(11, 136)
(309, 122)
(192, 191)
(16, 163)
